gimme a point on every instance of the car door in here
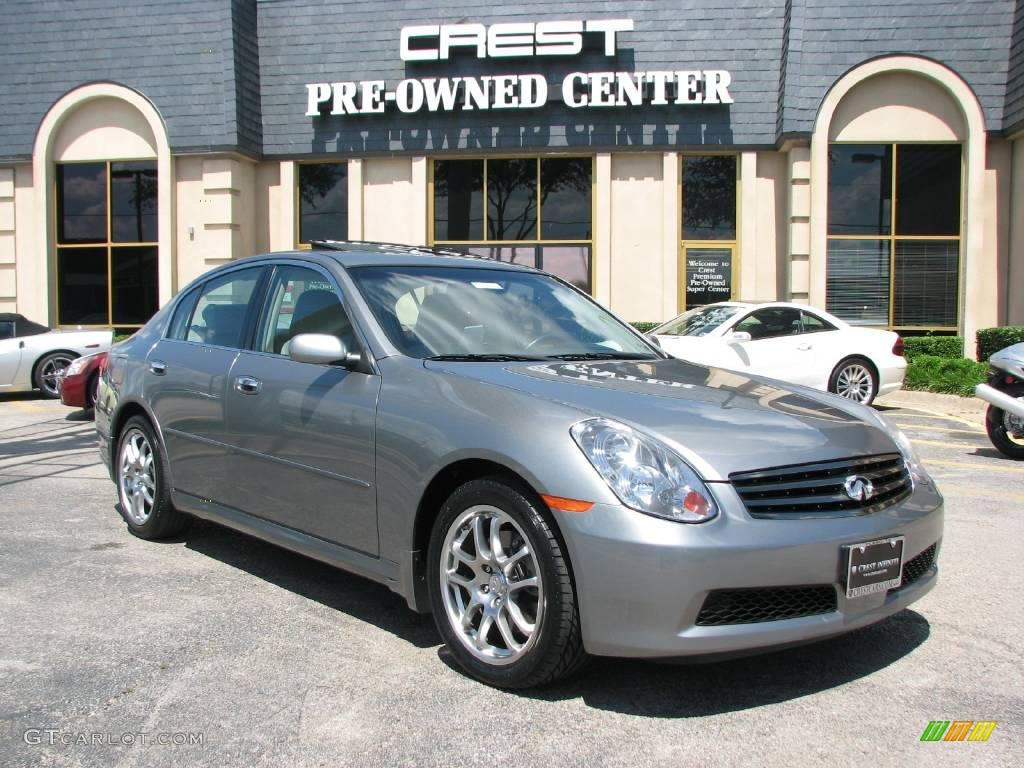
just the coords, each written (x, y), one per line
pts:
(776, 347)
(186, 376)
(10, 353)
(821, 341)
(303, 433)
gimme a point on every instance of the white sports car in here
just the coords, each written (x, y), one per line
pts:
(34, 357)
(790, 342)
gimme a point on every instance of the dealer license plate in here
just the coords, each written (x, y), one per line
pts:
(874, 566)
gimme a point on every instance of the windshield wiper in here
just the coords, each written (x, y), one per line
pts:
(605, 356)
(484, 357)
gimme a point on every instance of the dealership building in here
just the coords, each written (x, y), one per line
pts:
(867, 158)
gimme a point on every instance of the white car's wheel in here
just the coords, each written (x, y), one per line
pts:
(50, 371)
(854, 379)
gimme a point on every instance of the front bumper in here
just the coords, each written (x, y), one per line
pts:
(641, 581)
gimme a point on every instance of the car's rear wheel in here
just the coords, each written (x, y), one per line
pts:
(142, 483)
(49, 372)
(854, 379)
(501, 588)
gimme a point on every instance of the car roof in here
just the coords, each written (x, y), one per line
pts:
(354, 253)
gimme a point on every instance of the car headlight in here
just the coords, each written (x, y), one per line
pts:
(910, 456)
(645, 474)
(76, 367)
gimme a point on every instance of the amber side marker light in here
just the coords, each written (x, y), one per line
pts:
(567, 505)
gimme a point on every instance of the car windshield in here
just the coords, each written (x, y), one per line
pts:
(699, 321)
(459, 313)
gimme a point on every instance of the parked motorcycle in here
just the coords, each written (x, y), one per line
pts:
(1004, 392)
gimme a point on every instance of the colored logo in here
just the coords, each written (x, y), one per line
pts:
(958, 730)
(859, 488)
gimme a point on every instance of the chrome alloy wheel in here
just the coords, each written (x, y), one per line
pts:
(854, 383)
(491, 585)
(1014, 426)
(52, 373)
(136, 476)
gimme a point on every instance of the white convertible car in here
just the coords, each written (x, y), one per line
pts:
(790, 342)
(34, 357)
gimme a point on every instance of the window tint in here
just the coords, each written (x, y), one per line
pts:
(6, 329)
(182, 314)
(219, 317)
(928, 189)
(459, 200)
(301, 300)
(814, 324)
(859, 189)
(512, 199)
(770, 323)
(709, 197)
(565, 198)
(323, 202)
(133, 202)
(82, 203)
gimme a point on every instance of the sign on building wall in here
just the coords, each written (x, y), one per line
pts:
(708, 275)
(441, 42)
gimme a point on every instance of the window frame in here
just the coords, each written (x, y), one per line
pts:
(537, 242)
(893, 237)
(257, 298)
(733, 245)
(108, 244)
(297, 192)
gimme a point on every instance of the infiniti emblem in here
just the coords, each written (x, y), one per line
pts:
(858, 488)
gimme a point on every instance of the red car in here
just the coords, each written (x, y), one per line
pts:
(81, 380)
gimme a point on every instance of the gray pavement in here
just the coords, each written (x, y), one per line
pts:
(271, 659)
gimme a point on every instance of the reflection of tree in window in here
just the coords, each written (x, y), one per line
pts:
(565, 185)
(133, 189)
(511, 199)
(709, 197)
(323, 193)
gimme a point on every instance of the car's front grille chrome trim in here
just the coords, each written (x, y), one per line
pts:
(818, 489)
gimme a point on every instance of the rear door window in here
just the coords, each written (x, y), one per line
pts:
(219, 317)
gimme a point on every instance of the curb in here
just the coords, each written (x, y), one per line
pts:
(950, 406)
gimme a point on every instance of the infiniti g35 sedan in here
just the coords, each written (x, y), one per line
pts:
(501, 451)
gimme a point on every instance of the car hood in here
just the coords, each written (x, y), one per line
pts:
(720, 421)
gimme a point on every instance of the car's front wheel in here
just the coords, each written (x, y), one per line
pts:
(501, 589)
(855, 380)
(50, 370)
(142, 483)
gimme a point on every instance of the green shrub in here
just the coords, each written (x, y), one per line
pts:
(991, 340)
(949, 347)
(938, 374)
(644, 326)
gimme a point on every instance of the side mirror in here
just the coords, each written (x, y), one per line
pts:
(653, 339)
(738, 337)
(322, 349)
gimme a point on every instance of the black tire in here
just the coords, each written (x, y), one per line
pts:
(557, 646)
(48, 370)
(846, 375)
(162, 519)
(995, 425)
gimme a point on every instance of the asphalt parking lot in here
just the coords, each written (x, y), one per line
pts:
(238, 653)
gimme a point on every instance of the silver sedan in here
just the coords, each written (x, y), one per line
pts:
(494, 446)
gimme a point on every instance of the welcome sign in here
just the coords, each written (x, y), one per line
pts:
(521, 91)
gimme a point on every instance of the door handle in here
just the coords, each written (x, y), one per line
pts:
(804, 347)
(159, 367)
(247, 385)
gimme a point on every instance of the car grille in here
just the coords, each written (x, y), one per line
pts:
(817, 489)
(918, 566)
(750, 606)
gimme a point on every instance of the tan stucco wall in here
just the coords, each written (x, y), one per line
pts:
(217, 219)
(1014, 277)
(762, 231)
(996, 237)
(104, 129)
(8, 250)
(393, 200)
(637, 251)
(267, 235)
(897, 104)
